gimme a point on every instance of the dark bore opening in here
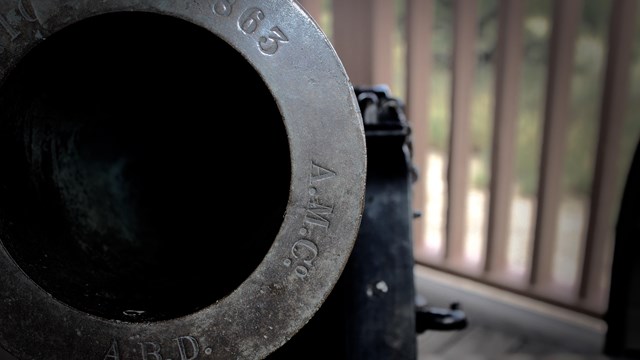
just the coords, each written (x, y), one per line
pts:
(145, 167)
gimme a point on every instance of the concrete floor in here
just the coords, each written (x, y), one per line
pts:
(505, 326)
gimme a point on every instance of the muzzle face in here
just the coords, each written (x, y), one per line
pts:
(181, 179)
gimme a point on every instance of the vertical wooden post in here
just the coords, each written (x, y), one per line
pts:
(566, 18)
(419, 25)
(383, 27)
(363, 37)
(464, 61)
(615, 96)
(353, 39)
(313, 7)
(507, 69)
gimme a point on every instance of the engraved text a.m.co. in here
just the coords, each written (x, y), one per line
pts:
(319, 173)
(318, 212)
(315, 225)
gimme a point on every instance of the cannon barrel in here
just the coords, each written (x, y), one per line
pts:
(180, 179)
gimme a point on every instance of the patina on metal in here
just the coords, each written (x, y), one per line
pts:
(371, 312)
(126, 128)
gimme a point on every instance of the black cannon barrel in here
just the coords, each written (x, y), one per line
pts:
(180, 179)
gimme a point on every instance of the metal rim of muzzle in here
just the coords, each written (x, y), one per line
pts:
(328, 166)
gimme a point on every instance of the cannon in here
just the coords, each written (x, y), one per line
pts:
(185, 180)
(181, 179)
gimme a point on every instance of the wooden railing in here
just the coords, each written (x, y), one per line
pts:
(363, 35)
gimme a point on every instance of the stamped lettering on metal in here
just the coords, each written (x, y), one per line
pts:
(188, 347)
(9, 23)
(13, 33)
(150, 351)
(319, 173)
(253, 22)
(269, 45)
(250, 20)
(26, 13)
(317, 214)
(316, 223)
(185, 348)
(223, 7)
(305, 250)
(113, 353)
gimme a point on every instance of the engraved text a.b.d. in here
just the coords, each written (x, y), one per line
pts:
(187, 348)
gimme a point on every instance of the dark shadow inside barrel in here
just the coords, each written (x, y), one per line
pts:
(145, 167)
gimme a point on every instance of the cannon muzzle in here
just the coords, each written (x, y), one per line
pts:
(180, 179)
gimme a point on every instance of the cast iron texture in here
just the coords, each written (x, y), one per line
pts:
(371, 314)
(319, 224)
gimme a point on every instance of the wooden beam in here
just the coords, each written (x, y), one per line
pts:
(419, 25)
(313, 7)
(352, 39)
(464, 61)
(566, 18)
(615, 95)
(507, 69)
(383, 27)
(363, 38)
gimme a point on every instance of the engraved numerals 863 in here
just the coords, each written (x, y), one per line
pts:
(251, 22)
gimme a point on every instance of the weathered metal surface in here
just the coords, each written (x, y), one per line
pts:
(371, 312)
(381, 266)
(40, 318)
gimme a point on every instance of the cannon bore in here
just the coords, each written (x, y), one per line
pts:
(180, 180)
